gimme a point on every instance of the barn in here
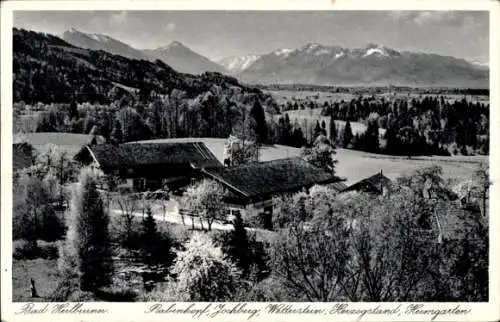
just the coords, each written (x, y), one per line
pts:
(251, 187)
(375, 184)
(150, 166)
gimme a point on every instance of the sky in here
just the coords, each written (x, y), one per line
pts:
(219, 34)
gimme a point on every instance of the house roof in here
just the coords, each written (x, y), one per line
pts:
(261, 179)
(339, 186)
(22, 156)
(144, 154)
(375, 182)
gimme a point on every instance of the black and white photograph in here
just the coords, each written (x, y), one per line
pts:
(250, 156)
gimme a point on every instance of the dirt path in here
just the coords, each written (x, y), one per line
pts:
(174, 217)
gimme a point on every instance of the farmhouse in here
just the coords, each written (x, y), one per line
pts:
(149, 166)
(251, 187)
(376, 184)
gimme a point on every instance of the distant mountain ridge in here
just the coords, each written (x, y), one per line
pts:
(312, 63)
(318, 64)
(236, 64)
(183, 59)
(101, 42)
(176, 55)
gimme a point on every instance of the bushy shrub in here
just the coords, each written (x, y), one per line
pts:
(34, 216)
(23, 249)
(203, 273)
(66, 287)
(162, 292)
(116, 293)
(272, 289)
(80, 296)
(244, 250)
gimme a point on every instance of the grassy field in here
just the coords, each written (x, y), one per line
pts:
(283, 96)
(43, 271)
(70, 142)
(357, 165)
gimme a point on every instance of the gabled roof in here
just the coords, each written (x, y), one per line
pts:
(373, 183)
(339, 186)
(263, 179)
(22, 156)
(195, 154)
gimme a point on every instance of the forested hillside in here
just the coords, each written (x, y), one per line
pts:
(49, 70)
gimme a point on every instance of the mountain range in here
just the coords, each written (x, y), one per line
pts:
(312, 63)
(183, 59)
(175, 54)
(375, 65)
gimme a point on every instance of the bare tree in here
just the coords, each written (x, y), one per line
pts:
(205, 199)
(128, 204)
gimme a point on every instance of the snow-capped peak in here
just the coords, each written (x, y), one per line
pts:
(285, 52)
(375, 51)
(339, 54)
(310, 47)
(172, 45)
(239, 63)
(175, 44)
(481, 64)
(101, 38)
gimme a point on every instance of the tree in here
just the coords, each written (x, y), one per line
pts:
(371, 137)
(387, 234)
(244, 250)
(51, 120)
(128, 204)
(87, 244)
(317, 131)
(333, 130)
(33, 212)
(289, 209)
(347, 137)
(149, 237)
(483, 184)
(313, 258)
(237, 151)
(257, 113)
(55, 162)
(321, 154)
(298, 139)
(73, 110)
(203, 274)
(116, 136)
(205, 200)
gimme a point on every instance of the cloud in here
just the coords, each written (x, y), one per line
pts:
(430, 17)
(169, 27)
(119, 18)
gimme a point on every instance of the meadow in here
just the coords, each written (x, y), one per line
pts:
(285, 95)
(69, 142)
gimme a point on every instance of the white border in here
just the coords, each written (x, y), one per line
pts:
(127, 311)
